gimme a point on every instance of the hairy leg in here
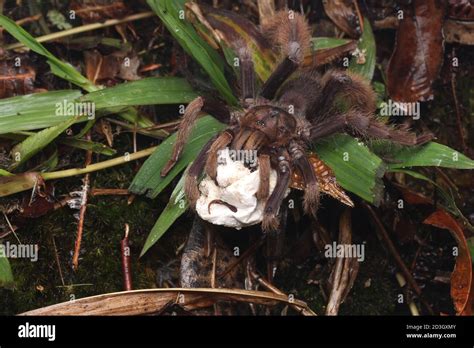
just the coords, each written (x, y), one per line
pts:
(191, 114)
(264, 174)
(359, 113)
(291, 34)
(191, 189)
(311, 193)
(222, 141)
(270, 213)
(247, 76)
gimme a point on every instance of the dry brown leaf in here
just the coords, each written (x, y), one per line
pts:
(418, 54)
(346, 15)
(140, 302)
(461, 278)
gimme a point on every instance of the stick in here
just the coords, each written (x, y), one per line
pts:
(126, 269)
(82, 213)
(84, 28)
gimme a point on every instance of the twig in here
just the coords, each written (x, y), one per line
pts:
(84, 28)
(411, 305)
(274, 289)
(56, 256)
(109, 192)
(382, 232)
(11, 227)
(98, 166)
(82, 213)
(126, 269)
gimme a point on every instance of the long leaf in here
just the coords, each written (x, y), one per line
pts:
(431, 154)
(35, 143)
(64, 70)
(176, 206)
(170, 12)
(149, 91)
(34, 111)
(148, 179)
(58, 67)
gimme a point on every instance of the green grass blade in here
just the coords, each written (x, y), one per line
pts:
(3, 172)
(431, 154)
(148, 91)
(34, 111)
(176, 206)
(88, 145)
(367, 45)
(148, 179)
(35, 143)
(6, 276)
(58, 67)
(356, 168)
(170, 12)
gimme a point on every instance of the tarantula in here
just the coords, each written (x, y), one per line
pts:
(285, 117)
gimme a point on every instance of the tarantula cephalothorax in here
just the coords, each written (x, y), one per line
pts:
(285, 117)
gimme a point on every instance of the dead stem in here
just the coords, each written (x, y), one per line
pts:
(345, 269)
(274, 289)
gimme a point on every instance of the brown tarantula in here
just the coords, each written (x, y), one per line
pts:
(285, 117)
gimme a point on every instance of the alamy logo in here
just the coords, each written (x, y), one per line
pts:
(335, 250)
(245, 156)
(19, 251)
(37, 331)
(393, 108)
(67, 108)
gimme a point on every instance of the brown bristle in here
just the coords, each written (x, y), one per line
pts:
(191, 190)
(264, 173)
(311, 199)
(270, 222)
(286, 27)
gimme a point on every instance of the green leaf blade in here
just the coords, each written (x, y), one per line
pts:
(176, 207)
(169, 12)
(148, 179)
(357, 169)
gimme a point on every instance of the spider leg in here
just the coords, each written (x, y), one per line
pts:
(240, 139)
(289, 32)
(191, 113)
(311, 192)
(247, 76)
(264, 174)
(270, 213)
(187, 124)
(222, 141)
(275, 244)
(191, 189)
(360, 113)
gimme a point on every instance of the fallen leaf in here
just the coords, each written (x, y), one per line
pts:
(346, 15)
(418, 54)
(461, 278)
